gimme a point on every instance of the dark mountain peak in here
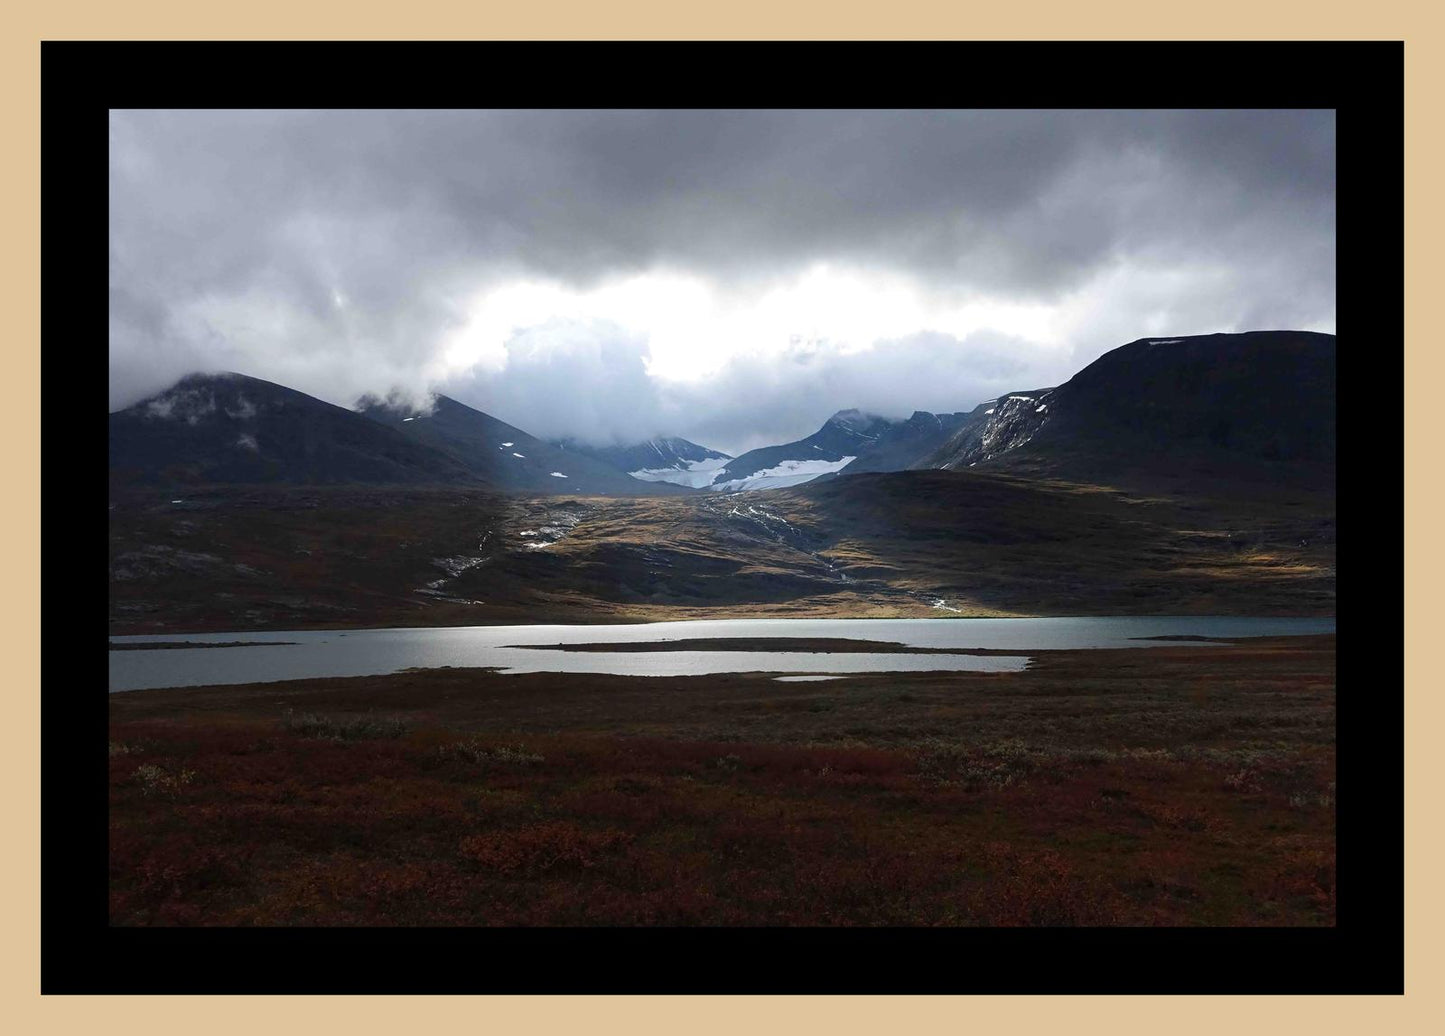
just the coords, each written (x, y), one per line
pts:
(223, 398)
(198, 379)
(232, 428)
(683, 449)
(207, 396)
(852, 430)
(857, 420)
(1216, 347)
(1220, 399)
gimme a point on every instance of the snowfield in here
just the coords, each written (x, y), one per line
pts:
(697, 475)
(788, 473)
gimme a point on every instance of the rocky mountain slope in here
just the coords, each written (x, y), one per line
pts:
(907, 444)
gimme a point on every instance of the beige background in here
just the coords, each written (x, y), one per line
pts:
(25, 24)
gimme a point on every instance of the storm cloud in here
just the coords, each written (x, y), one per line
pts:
(347, 252)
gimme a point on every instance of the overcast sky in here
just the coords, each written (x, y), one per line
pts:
(730, 277)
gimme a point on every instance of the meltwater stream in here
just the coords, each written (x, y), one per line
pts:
(328, 653)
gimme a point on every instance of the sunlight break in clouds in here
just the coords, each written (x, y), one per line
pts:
(692, 328)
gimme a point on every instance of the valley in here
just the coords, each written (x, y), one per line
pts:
(1172, 782)
(928, 543)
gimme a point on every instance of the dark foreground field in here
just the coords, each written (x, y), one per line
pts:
(1171, 785)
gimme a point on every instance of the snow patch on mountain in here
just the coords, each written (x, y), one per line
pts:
(697, 474)
(788, 473)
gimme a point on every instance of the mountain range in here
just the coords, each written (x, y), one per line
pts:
(1171, 476)
(668, 459)
(502, 456)
(1227, 400)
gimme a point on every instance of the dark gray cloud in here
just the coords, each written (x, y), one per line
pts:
(337, 251)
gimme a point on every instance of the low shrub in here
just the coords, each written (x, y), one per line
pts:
(157, 780)
(344, 728)
(476, 751)
(998, 765)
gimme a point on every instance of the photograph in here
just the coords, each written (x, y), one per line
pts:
(728, 517)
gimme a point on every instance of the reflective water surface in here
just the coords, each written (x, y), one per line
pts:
(326, 653)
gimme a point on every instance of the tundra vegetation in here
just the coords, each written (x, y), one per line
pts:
(872, 545)
(1178, 784)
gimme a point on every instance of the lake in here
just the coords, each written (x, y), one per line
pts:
(327, 653)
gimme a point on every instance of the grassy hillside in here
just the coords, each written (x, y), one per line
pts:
(909, 543)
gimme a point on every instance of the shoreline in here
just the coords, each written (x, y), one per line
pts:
(610, 620)
(171, 645)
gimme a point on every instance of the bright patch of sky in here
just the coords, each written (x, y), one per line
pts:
(693, 327)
